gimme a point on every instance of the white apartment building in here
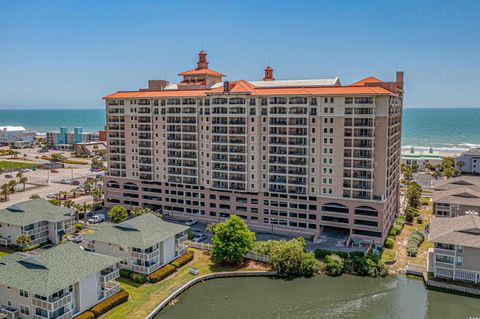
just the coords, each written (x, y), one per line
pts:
(308, 157)
(38, 219)
(144, 243)
(57, 283)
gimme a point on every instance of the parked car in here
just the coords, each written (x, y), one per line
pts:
(199, 237)
(97, 218)
(191, 222)
(66, 181)
(9, 176)
(75, 182)
(53, 171)
(77, 238)
(96, 208)
(99, 175)
(51, 195)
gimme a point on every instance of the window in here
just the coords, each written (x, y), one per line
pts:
(24, 293)
(444, 259)
(25, 310)
(460, 249)
(459, 261)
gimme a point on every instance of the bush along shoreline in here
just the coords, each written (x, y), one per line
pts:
(338, 263)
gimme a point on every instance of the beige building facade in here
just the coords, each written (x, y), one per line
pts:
(295, 156)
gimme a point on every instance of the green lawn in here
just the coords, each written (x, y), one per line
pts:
(10, 164)
(144, 298)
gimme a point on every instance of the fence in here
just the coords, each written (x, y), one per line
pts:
(250, 255)
(195, 281)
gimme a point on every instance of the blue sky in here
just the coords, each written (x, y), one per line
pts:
(71, 53)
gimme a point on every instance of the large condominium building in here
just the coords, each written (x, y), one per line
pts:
(38, 219)
(298, 156)
(144, 243)
(56, 283)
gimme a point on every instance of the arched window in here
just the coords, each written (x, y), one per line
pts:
(130, 186)
(335, 208)
(113, 184)
(366, 211)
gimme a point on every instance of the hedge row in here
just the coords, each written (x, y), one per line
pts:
(109, 303)
(162, 273)
(322, 253)
(70, 161)
(134, 276)
(182, 260)
(86, 315)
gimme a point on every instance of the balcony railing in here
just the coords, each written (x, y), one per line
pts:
(145, 256)
(109, 275)
(54, 303)
(146, 270)
(66, 315)
(11, 312)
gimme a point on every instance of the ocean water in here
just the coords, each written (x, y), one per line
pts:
(444, 129)
(44, 120)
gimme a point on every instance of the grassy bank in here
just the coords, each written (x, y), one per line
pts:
(10, 164)
(144, 298)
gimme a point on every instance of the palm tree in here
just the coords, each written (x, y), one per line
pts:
(88, 185)
(5, 190)
(23, 180)
(68, 203)
(97, 194)
(85, 207)
(460, 165)
(12, 184)
(77, 208)
(62, 195)
(24, 240)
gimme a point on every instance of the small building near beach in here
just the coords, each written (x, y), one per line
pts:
(469, 161)
(421, 158)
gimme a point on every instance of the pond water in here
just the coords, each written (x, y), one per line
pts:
(319, 297)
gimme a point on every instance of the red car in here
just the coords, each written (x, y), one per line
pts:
(53, 171)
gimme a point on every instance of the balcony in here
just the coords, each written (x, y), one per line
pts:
(109, 274)
(10, 312)
(146, 270)
(110, 289)
(145, 256)
(53, 303)
(66, 315)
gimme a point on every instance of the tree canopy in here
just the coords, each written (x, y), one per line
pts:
(232, 239)
(118, 214)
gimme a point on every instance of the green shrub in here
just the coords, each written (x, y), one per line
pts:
(393, 232)
(125, 273)
(78, 227)
(425, 201)
(420, 219)
(389, 243)
(162, 273)
(86, 315)
(182, 260)
(413, 242)
(369, 266)
(138, 277)
(322, 253)
(109, 303)
(409, 218)
(335, 265)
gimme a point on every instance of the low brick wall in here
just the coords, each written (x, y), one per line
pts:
(195, 281)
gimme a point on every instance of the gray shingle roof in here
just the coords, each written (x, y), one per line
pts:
(463, 190)
(462, 230)
(34, 211)
(51, 270)
(141, 232)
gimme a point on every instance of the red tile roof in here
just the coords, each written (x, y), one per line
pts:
(202, 72)
(370, 79)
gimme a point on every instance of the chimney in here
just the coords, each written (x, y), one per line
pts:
(399, 80)
(202, 60)
(157, 85)
(268, 74)
(226, 86)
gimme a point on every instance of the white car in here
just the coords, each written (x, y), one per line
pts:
(191, 222)
(51, 195)
(97, 218)
(66, 181)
